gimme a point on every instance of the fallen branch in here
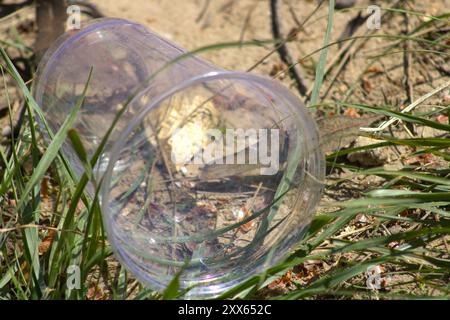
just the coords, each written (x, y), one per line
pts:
(283, 50)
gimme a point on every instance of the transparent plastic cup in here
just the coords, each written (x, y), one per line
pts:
(209, 172)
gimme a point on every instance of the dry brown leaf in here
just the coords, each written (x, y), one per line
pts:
(246, 227)
(374, 69)
(276, 68)
(44, 188)
(366, 85)
(352, 113)
(46, 243)
(442, 119)
(422, 159)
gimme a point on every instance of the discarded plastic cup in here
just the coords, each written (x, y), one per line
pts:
(209, 173)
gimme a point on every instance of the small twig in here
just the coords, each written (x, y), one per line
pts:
(294, 16)
(407, 63)
(444, 240)
(247, 21)
(349, 233)
(283, 50)
(299, 27)
(203, 11)
(36, 226)
(251, 201)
